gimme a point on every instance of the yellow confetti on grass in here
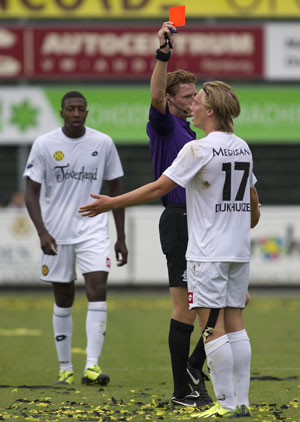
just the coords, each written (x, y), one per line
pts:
(294, 403)
(78, 351)
(114, 409)
(160, 413)
(20, 332)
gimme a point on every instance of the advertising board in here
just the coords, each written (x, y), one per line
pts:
(282, 52)
(275, 249)
(125, 9)
(269, 114)
(127, 53)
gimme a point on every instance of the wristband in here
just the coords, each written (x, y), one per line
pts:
(163, 57)
(165, 44)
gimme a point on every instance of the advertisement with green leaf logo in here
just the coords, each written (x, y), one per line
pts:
(269, 114)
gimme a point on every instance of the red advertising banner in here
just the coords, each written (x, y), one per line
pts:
(11, 52)
(127, 53)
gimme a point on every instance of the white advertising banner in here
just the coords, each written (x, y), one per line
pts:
(19, 248)
(25, 113)
(275, 249)
(282, 51)
(20, 253)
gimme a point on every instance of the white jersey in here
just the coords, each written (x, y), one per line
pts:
(217, 174)
(69, 170)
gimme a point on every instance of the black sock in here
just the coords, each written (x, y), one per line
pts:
(179, 344)
(197, 358)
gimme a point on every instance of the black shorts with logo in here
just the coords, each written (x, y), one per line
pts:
(174, 238)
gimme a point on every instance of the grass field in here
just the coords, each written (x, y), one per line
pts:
(136, 357)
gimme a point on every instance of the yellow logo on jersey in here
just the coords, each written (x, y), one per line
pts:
(58, 155)
(45, 270)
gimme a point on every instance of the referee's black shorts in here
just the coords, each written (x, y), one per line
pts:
(174, 238)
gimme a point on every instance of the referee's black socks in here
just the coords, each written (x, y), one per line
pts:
(179, 344)
(197, 358)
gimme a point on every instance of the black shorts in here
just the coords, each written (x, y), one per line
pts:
(174, 238)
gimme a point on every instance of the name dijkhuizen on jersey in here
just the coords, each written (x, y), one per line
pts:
(233, 207)
(231, 152)
(62, 174)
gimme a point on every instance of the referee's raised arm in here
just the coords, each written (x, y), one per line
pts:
(159, 76)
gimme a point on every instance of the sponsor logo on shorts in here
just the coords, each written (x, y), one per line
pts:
(58, 155)
(108, 262)
(184, 276)
(191, 297)
(45, 270)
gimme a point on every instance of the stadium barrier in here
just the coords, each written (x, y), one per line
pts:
(275, 249)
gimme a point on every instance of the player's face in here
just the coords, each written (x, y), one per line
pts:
(199, 112)
(74, 114)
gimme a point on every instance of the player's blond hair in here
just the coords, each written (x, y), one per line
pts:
(174, 79)
(221, 98)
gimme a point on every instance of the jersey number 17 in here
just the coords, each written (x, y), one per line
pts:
(238, 166)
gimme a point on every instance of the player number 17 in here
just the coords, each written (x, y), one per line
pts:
(238, 166)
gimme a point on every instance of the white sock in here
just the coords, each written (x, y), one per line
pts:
(241, 351)
(220, 363)
(62, 326)
(95, 331)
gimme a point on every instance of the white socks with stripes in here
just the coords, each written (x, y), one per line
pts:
(95, 331)
(241, 352)
(62, 326)
(228, 359)
(220, 364)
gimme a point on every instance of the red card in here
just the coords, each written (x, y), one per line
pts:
(177, 15)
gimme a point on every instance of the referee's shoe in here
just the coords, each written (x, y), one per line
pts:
(192, 399)
(197, 382)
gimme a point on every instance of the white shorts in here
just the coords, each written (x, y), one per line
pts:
(217, 284)
(91, 255)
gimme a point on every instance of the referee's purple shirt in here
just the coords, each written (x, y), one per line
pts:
(167, 135)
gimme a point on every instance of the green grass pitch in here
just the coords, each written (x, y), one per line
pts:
(136, 357)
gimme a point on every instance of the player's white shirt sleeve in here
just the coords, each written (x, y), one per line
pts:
(186, 165)
(253, 180)
(113, 168)
(35, 167)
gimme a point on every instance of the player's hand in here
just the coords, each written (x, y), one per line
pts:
(121, 252)
(102, 204)
(48, 244)
(165, 31)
